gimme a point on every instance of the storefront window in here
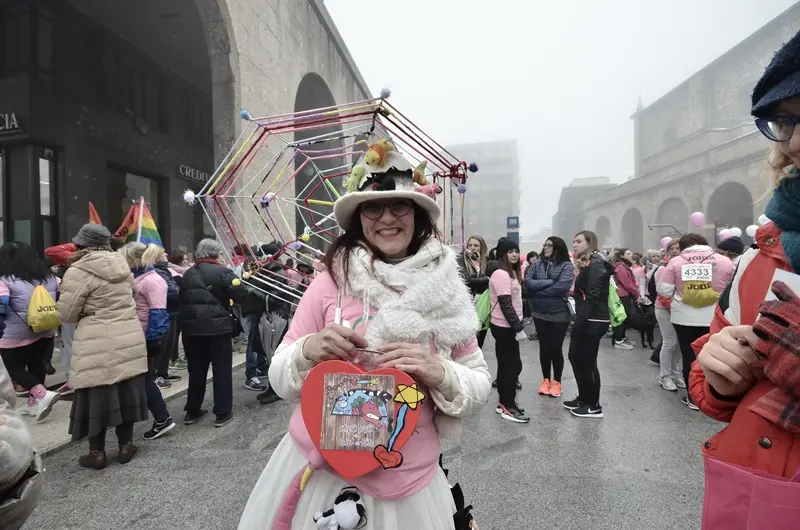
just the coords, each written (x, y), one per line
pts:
(47, 198)
(126, 188)
(20, 205)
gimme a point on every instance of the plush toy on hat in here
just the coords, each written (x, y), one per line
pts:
(431, 190)
(356, 179)
(376, 154)
(419, 173)
(348, 512)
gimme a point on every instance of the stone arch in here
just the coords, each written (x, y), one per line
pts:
(603, 230)
(632, 230)
(313, 93)
(673, 212)
(223, 57)
(730, 205)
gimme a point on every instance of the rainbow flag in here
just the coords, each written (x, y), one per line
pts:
(93, 217)
(129, 229)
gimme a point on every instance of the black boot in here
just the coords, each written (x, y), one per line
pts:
(265, 398)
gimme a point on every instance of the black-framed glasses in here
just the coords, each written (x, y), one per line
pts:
(375, 210)
(778, 128)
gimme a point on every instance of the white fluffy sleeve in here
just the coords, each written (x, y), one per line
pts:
(288, 369)
(466, 387)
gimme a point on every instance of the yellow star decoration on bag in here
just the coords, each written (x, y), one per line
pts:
(410, 395)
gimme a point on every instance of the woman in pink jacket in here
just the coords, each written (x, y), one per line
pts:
(694, 281)
(628, 292)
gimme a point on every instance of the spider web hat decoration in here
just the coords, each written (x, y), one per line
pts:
(272, 196)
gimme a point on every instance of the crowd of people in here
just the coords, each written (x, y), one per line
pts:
(392, 296)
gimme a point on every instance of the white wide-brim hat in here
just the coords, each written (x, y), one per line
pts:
(392, 179)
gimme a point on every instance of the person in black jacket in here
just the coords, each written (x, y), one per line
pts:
(208, 326)
(505, 289)
(591, 323)
(163, 375)
(472, 265)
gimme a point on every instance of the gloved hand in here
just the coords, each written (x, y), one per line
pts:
(521, 336)
(778, 327)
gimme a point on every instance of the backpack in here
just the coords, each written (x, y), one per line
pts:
(616, 311)
(652, 293)
(483, 306)
(42, 315)
(697, 289)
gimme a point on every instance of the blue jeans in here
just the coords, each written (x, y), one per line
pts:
(255, 356)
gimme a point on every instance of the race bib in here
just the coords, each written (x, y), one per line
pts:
(698, 273)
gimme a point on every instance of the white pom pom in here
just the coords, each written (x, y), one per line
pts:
(751, 230)
(386, 92)
(763, 219)
(189, 196)
(735, 231)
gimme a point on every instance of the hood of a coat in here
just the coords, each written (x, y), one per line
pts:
(105, 264)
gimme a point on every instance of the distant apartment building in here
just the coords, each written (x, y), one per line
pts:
(492, 193)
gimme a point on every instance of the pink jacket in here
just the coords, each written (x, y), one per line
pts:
(626, 282)
(151, 293)
(670, 283)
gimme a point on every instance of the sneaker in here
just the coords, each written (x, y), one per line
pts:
(680, 383)
(626, 340)
(191, 417)
(254, 383)
(668, 384)
(26, 409)
(513, 414)
(170, 377)
(20, 391)
(159, 429)
(544, 388)
(686, 400)
(265, 398)
(588, 411)
(42, 408)
(622, 345)
(533, 336)
(573, 404)
(49, 369)
(65, 389)
(555, 389)
(499, 409)
(180, 364)
(519, 385)
(223, 419)
(162, 383)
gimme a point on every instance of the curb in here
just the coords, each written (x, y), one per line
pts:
(68, 441)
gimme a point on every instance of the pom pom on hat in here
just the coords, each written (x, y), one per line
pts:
(473, 167)
(386, 92)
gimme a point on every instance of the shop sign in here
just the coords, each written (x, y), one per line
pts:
(192, 174)
(9, 123)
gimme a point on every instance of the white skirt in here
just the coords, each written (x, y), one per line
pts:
(431, 508)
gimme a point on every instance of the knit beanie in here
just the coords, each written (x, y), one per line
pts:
(781, 79)
(732, 244)
(92, 235)
(505, 245)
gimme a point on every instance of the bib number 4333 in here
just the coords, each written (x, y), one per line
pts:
(700, 273)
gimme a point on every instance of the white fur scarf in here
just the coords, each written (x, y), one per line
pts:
(420, 299)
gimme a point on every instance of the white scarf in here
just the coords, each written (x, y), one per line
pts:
(420, 299)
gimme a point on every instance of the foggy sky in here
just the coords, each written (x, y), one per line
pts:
(562, 77)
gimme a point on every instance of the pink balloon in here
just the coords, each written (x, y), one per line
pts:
(724, 234)
(664, 242)
(698, 218)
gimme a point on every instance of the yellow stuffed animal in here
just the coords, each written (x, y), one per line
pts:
(353, 182)
(376, 154)
(419, 173)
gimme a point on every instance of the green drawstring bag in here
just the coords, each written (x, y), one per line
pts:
(483, 306)
(615, 308)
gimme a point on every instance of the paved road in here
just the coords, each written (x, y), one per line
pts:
(638, 468)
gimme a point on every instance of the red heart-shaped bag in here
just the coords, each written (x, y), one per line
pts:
(372, 413)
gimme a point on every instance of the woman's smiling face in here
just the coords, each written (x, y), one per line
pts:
(389, 225)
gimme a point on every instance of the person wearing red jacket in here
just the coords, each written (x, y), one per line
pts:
(747, 371)
(628, 292)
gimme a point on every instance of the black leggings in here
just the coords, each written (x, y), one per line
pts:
(686, 336)
(583, 347)
(481, 337)
(124, 433)
(26, 364)
(509, 364)
(551, 342)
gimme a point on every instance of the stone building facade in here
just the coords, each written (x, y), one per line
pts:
(696, 149)
(109, 100)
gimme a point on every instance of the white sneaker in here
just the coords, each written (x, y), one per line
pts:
(622, 345)
(680, 383)
(26, 409)
(43, 407)
(668, 384)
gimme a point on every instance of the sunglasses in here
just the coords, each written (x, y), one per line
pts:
(375, 210)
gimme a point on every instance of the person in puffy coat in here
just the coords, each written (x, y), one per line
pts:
(21, 468)
(548, 282)
(208, 326)
(109, 356)
(162, 364)
(24, 351)
(628, 292)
